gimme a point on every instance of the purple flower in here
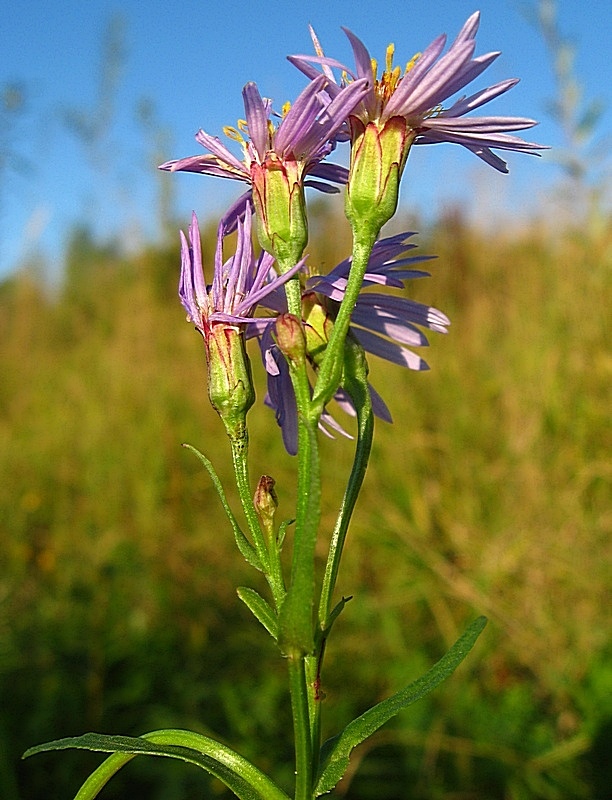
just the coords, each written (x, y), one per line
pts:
(239, 284)
(296, 147)
(385, 325)
(417, 95)
(223, 311)
(382, 323)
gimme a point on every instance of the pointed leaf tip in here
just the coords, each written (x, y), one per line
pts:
(335, 753)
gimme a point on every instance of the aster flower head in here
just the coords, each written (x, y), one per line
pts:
(385, 325)
(418, 92)
(277, 159)
(405, 107)
(223, 310)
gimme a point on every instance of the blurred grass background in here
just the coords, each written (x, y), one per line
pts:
(489, 494)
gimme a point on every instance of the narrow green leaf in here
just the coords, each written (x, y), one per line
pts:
(282, 530)
(355, 383)
(260, 608)
(238, 774)
(245, 547)
(335, 752)
(336, 611)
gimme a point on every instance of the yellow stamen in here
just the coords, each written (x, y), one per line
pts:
(389, 58)
(234, 134)
(412, 61)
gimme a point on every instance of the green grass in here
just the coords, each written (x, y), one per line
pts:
(489, 494)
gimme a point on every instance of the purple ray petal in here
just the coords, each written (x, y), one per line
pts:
(257, 116)
(388, 350)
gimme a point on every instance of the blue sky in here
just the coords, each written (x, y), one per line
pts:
(189, 59)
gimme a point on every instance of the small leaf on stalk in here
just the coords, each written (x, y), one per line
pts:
(260, 608)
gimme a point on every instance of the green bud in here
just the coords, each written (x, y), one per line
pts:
(280, 206)
(318, 326)
(289, 336)
(230, 384)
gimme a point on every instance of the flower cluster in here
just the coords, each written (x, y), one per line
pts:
(381, 116)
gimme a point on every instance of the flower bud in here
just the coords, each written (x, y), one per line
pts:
(318, 326)
(230, 385)
(289, 335)
(266, 501)
(378, 156)
(278, 196)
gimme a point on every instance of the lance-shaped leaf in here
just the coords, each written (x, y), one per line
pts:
(245, 547)
(260, 608)
(239, 775)
(335, 752)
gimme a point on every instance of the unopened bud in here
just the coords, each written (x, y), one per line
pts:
(290, 338)
(230, 385)
(318, 325)
(266, 501)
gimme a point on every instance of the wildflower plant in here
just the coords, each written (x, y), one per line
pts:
(315, 333)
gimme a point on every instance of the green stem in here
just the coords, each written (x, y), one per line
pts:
(296, 628)
(276, 579)
(298, 687)
(270, 560)
(296, 619)
(356, 385)
(314, 665)
(293, 292)
(329, 374)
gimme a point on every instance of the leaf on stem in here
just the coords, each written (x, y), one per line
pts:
(260, 608)
(335, 752)
(245, 547)
(282, 530)
(238, 774)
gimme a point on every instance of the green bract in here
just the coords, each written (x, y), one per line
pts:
(278, 197)
(230, 385)
(378, 157)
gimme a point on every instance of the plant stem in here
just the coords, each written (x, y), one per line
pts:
(330, 371)
(301, 728)
(314, 664)
(356, 385)
(269, 558)
(296, 629)
(296, 623)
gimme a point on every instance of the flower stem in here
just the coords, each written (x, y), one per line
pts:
(356, 385)
(296, 620)
(330, 371)
(270, 560)
(296, 628)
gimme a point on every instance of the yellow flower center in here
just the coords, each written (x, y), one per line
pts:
(391, 76)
